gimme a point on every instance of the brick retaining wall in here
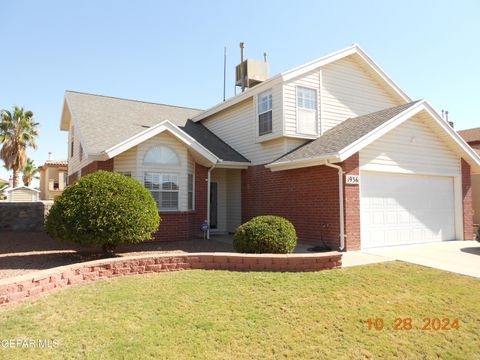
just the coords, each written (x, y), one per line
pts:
(20, 288)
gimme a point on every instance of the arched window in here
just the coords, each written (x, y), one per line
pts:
(161, 155)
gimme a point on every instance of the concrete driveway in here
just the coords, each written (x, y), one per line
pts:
(462, 257)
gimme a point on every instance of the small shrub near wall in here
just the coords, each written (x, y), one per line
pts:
(103, 209)
(266, 234)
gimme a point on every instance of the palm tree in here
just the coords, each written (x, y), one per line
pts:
(29, 172)
(17, 132)
(3, 186)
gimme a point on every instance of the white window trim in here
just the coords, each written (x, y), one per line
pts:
(162, 173)
(193, 191)
(304, 109)
(257, 117)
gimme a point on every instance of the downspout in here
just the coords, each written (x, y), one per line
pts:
(209, 177)
(341, 205)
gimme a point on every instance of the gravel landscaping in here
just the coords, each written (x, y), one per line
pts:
(23, 252)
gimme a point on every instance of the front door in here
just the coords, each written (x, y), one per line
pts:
(213, 205)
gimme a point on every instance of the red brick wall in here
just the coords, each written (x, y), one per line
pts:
(174, 226)
(72, 178)
(352, 204)
(98, 165)
(33, 285)
(307, 197)
(185, 225)
(177, 225)
(467, 202)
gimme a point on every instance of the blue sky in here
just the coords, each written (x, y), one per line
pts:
(172, 52)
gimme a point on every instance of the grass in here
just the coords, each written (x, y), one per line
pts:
(235, 315)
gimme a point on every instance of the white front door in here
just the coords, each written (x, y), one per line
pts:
(400, 209)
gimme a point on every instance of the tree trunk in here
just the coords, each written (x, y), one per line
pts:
(15, 178)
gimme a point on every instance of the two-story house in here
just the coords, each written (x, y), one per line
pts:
(53, 178)
(334, 145)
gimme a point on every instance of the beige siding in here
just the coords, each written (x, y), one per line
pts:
(127, 162)
(229, 199)
(132, 160)
(234, 199)
(349, 90)
(310, 80)
(412, 147)
(23, 195)
(237, 126)
(74, 163)
(293, 143)
(219, 176)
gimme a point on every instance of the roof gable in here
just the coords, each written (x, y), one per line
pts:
(354, 134)
(304, 69)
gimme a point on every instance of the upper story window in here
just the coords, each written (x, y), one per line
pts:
(72, 142)
(265, 113)
(306, 110)
(161, 155)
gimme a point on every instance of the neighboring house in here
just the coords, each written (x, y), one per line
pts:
(334, 145)
(22, 194)
(3, 189)
(53, 178)
(472, 137)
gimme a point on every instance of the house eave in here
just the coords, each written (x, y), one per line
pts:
(302, 163)
(232, 165)
(165, 125)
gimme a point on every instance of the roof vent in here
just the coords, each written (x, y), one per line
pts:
(250, 72)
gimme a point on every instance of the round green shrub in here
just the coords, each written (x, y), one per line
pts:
(266, 234)
(103, 209)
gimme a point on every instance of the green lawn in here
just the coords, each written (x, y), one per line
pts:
(235, 315)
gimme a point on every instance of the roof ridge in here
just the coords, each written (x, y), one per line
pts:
(135, 100)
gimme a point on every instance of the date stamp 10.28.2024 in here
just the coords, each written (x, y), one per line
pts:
(407, 324)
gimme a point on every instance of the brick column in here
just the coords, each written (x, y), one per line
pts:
(200, 215)
(467, 202)
(352, 204)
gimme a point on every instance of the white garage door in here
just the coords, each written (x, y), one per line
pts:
(405, 209)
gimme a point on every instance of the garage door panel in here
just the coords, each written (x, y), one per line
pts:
(401, 209)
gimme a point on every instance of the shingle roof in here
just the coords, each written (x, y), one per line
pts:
(344, 134)
(470, 135)
(107, 121)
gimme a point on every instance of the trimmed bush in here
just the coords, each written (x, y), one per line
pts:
(266, 234)
(103, 209)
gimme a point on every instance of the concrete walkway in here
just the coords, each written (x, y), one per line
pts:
(461, 257)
